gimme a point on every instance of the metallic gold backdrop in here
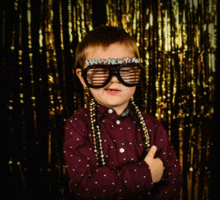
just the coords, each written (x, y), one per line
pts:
(177, 42)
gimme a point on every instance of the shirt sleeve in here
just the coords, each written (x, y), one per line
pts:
(88, 180)
(169, 187)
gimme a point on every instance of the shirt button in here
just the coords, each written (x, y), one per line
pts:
(118, 122)
(121, 150)
(110, 111)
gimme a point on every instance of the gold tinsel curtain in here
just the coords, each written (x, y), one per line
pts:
(177, 42)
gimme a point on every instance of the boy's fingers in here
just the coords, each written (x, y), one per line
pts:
(152, 152)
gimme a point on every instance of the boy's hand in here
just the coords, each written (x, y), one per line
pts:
(155, 165)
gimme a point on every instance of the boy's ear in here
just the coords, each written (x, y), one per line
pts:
(79, 74)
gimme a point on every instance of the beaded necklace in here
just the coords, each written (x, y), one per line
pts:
(96, 134)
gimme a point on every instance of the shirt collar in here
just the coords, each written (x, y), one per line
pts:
(104, 111)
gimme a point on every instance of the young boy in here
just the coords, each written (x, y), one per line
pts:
(112, 149)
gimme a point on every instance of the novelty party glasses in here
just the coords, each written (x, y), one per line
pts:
(98, 76)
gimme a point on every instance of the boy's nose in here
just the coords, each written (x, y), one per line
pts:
(114, 79)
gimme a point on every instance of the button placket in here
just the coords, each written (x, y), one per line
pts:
(122, 153)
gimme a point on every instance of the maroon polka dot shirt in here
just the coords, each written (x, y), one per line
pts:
(125, 175)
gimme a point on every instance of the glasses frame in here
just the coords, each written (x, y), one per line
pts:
(114, 70)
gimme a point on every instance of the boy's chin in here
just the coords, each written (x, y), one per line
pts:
(116, 104)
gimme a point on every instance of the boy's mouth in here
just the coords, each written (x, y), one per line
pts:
(112, 91)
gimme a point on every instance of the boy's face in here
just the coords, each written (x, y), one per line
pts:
(114, 95)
